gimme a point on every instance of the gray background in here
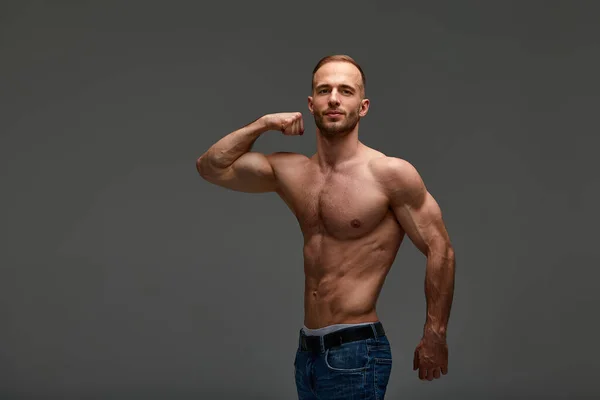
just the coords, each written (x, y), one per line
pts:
(124, 275)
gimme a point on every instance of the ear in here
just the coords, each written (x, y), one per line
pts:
(364, 107)
(310, 104)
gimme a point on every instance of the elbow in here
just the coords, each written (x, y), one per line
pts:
(442, 249)
(199, 163)
(449, 252)
(202, 166)
(208, 170)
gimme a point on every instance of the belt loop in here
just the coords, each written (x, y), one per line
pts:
(374, 332)
(322, 343)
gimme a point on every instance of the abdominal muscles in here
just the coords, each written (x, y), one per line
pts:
(344, 276)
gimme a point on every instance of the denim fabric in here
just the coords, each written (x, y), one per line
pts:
(357, 370)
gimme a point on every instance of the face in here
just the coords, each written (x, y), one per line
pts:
(337, 102)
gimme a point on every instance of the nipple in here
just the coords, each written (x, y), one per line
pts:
(355, 223)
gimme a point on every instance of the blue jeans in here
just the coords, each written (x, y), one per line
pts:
(350, 371)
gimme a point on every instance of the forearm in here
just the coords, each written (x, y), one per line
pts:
(439, 291)
(231, 147)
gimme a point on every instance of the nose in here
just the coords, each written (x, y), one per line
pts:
(333, 99)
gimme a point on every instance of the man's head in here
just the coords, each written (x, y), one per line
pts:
(338, 85)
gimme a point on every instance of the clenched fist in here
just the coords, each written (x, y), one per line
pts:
(431, 357)
(291, 124)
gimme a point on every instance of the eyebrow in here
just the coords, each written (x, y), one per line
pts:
(342, 86)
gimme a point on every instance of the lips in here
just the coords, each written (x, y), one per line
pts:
(333, 113)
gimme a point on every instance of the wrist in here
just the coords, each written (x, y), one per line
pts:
(265, 123)
(436, 332)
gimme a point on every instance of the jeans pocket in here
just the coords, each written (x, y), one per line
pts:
(381, 351)
(349, 357)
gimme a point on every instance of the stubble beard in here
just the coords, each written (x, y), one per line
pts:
(332, 129)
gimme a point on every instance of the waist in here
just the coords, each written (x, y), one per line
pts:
(344, 305)
(319, 340)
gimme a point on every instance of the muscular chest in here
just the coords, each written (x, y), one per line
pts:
(345, 206)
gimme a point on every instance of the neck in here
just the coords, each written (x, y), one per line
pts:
(334, 150)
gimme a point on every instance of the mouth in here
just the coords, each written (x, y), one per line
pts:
(333, 113)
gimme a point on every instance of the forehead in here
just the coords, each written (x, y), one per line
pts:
(337, 73)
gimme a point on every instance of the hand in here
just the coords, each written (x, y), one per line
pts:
(291, 124)
(431, 358)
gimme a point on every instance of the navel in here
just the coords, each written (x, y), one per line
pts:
(355, 223)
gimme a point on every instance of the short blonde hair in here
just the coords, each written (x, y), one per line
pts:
(339, 57)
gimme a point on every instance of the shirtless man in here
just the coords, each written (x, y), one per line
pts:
(354, 206)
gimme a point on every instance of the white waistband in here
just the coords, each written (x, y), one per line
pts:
(331, 328)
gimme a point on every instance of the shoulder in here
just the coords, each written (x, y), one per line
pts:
(399, 180)
(284, 162)
(286, 157)
(393, 172)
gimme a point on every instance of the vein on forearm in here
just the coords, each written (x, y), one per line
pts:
(439, 289)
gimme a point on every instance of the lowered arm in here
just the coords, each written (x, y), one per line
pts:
(421, 218)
